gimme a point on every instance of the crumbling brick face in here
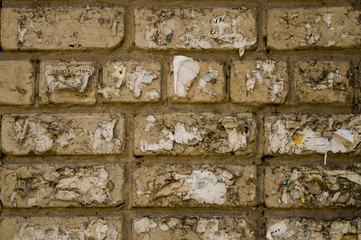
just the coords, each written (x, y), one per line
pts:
(303, 28)
(61, 28)
(76, 228)
(158, 120)
(61, 186)
(193, 228)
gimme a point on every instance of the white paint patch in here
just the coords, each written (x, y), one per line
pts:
(144, 225)
(201, 185)
(136, 79)
(327, 18)
(103, 137)
(185, 71)
(182, 136)
(277, 230)
(152, 94)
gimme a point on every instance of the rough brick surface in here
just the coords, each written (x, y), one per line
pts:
(289, 28)
(63, 134)
(194, 134)
(195, 28)
(196, 81)
(323, 82)
(304, 229)
(61, 186)
(67, 82)
(131, 81)
(76, 228)
(197, 228)
(312, 187)
(17, 82)
(263, 81)
(304, 134)
(179, 185)
(61, 28)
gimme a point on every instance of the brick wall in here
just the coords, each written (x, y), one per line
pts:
(183, 120)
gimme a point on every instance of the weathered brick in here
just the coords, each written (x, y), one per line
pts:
(194, 133)
(17, 82)
(67, 82)
(195, 28)
(323, 82)
(51, 228)
(131, 81)
(305, 229)
(194, 186)
(63, 134)
(318, 187)
(263, 81)
(193, 81)
(305, 134)
(289, 28)
(61, 28)
(195, 228)
(44, 185)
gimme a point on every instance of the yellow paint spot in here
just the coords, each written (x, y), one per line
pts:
(303, 199)
(297, 139)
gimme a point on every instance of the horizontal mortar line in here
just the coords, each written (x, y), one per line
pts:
(179, 108)
(120, 211)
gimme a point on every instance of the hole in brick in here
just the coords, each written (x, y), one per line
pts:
(263, 159)
(265, 41)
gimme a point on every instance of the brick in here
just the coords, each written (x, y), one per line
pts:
(258, 82)
(196, 81)
(306, 134)
(50, 228)
(323, 82)
(44, 185)
(131, 81)
(325, 27)
(302, 229)
(195, 227)
(194, 186)
(195, 28)
(194, 133)
(61, 28)
(307, 187)
(63, 134)
(67, 82)
(17, 82)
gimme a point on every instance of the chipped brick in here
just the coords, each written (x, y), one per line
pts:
(52, 228)
(195, 227)
(195, 28)
(305, 134)
(181, 185)
(17, 82)
(299, 28)
(131, 81)
(61, 186)
(323, 82)
(61, 28)
(263, 81)
(67, 82)
(193, 81)
(308, 187)
(304, 229)
(194, 134)
(63, 134)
